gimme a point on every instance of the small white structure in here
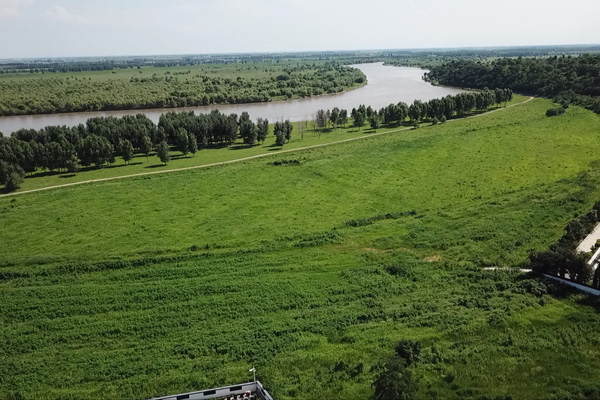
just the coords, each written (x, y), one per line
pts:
(587, 245)
(256, 388)
(590, 240)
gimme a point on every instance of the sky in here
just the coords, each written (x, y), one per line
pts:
(78, 28)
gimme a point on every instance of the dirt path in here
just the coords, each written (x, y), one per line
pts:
(244, 158)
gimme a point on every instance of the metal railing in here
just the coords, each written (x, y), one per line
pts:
(254, 387)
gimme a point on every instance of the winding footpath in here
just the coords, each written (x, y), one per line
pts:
(244, 158)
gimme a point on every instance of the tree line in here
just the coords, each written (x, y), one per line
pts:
(567, 79)
(102, 139)
(435, 110)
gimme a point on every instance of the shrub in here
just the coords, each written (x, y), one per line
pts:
(395, 382)
(11, 175)
(409, 351)
(555, 111)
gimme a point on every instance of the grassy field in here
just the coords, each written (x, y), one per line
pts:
(208, 156)
(311, 271)
(253, 70)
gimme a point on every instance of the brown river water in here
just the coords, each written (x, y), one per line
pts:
(386, 84)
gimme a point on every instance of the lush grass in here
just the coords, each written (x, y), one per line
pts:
(448, 173)
(140, 164)
(238, 150)
(109, 290)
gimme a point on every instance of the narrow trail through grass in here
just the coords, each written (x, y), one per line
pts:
(215, 164)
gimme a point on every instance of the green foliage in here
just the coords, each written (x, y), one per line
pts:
(374, 121)
(149, 286)
(409, 351)
(162, 150)
(146, 146)
(192, 144)
(95, 150)
(359, 116)
(562, 259)
(11, 175)
(183, 143)
(574, 80)
(126, 150)
(248, 130)
(57, 147)
(370, 220)
(262, 129)
(287, 130)
(394, 382)
(282, 130)
(551, 112)
(197, 85)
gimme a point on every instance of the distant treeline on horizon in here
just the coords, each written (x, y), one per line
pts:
(76, 64)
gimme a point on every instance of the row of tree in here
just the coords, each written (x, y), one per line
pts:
(567, 79)
(102, 139)
(435, 110)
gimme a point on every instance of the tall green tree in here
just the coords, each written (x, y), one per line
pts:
(288, 127)
(321, 119)
(162, 151)
(335, 117)
(374, 120)
(183, 141)
(146, 146)
(262, 129)
(126, 150)
(11, 175)
(394, 382)
(343, 117)
(192, 144)
(279, 131)
(415, 110)
(95, 150)
(360, 116)
(248, 132)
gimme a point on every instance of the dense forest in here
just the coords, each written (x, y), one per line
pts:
(102, 139)
(54, 93)
(567, 79)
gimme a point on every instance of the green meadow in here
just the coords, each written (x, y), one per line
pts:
(311, 266)
(140, 164)
(254, 70)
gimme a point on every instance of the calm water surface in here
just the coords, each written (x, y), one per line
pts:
(386, 84)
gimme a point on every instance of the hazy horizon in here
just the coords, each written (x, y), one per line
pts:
(67, 28)
(574, 45)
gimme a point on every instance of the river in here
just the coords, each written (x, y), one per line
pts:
(386, 84)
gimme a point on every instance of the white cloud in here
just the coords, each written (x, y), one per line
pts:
(11, 8)
(60, 14)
